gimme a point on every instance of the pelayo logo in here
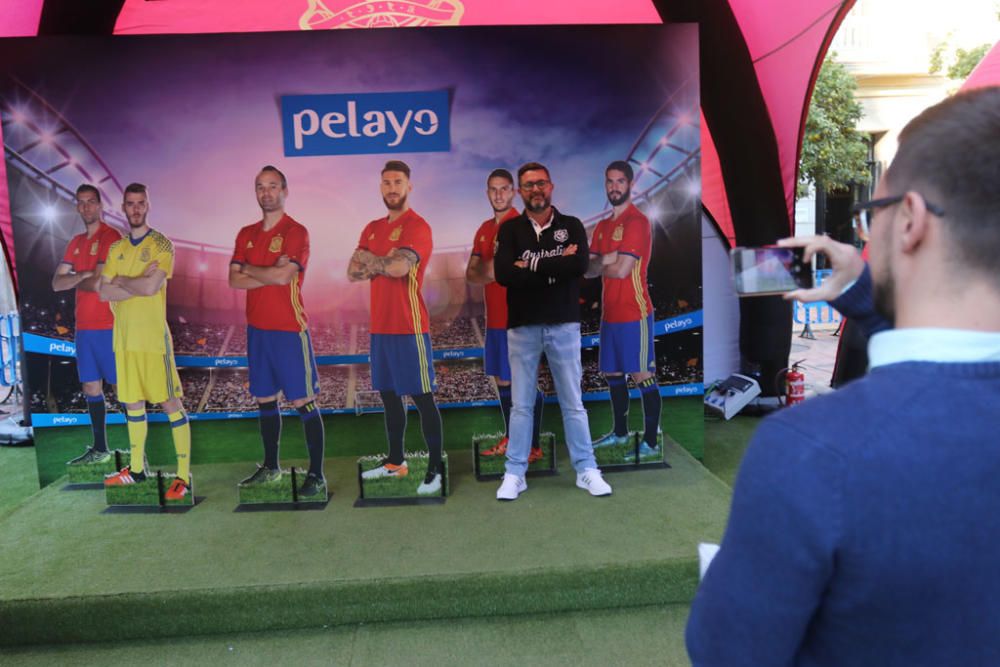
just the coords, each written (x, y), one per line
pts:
(363, 123)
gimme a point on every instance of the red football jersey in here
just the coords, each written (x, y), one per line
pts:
(397, 306)
(494, 293)
(625, 299)
(275, 307)
(85, 254)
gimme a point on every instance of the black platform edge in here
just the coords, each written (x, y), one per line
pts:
(494, 476)
(153, 509)
(301, 506)
(398, 502)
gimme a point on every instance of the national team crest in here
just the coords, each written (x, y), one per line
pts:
(144, 256)
(395, 234)
(618, 234)
(93, 247)
(384, 14)
(249, 244)
(276, 244)
(560, 235)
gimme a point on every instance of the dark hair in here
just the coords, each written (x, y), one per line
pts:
(532, 166)
(397, 165)
(949, 155)
(87, 187)
(622, 166)
(500, 173)
(272, 168)
(137, 188)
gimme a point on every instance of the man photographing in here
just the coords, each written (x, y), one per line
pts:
(864, 524)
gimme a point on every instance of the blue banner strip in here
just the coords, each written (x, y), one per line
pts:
(47, 420)
(63, 348)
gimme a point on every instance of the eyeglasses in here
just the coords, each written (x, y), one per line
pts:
(873, 204)
(533, 185)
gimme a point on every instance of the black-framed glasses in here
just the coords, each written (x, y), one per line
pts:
(873, 204)
(532, 185)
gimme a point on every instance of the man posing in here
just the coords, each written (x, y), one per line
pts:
(269, 262)
(500, 192)
(540, 258)
(393, 253)
(864, 527)
(134, 279)
(620, 254)
(80, 269)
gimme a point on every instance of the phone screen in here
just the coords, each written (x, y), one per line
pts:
(769, 270)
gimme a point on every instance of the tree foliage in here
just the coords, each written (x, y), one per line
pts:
(834, 153)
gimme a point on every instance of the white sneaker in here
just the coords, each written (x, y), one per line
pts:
(511, 487)
(430, 486)
(591, 480)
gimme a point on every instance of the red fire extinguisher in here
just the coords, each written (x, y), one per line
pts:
(795, 385)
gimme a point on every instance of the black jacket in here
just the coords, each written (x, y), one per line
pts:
(547, 291)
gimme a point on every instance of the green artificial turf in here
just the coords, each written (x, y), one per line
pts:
(725, 443)
(226, 441)
(494, 466)
(18, 475)
(651, 635)
(555, 549)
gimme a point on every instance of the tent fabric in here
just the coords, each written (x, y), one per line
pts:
(19, 18)
(193, 16)
(987, 72)
(6, 224)
(786, 42)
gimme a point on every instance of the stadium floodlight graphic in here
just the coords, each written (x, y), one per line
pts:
(668, 149)
(46, 148)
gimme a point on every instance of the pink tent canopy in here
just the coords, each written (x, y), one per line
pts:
(987, 72)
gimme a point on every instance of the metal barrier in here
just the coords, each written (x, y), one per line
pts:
(819, 312)
(10, 334)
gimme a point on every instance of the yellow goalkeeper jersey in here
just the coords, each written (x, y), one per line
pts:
(141, 321)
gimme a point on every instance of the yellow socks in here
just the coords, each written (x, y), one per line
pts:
(137, 429)
(180, 428)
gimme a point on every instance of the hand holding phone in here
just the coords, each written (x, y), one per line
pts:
(770, 270)
(844, 260)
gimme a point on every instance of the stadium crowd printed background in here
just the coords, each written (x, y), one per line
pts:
(194, 117)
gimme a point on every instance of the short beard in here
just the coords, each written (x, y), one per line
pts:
(399, 205)
(500, 210)
(135, 226)
(621, 199)
(883, 297)
(537, 209)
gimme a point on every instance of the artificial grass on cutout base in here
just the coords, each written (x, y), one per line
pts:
(227, 441)
(495, 466)
(554, 549)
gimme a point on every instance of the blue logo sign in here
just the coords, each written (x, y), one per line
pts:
(363, 123)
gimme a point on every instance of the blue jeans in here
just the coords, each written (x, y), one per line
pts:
(561, 345)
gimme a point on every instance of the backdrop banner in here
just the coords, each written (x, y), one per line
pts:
(195, 117)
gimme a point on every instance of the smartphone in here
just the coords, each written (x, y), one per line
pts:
(769, 270)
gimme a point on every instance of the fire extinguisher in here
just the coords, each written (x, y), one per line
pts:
(795, 385)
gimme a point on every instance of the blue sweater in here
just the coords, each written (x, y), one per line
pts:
(865, 529)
